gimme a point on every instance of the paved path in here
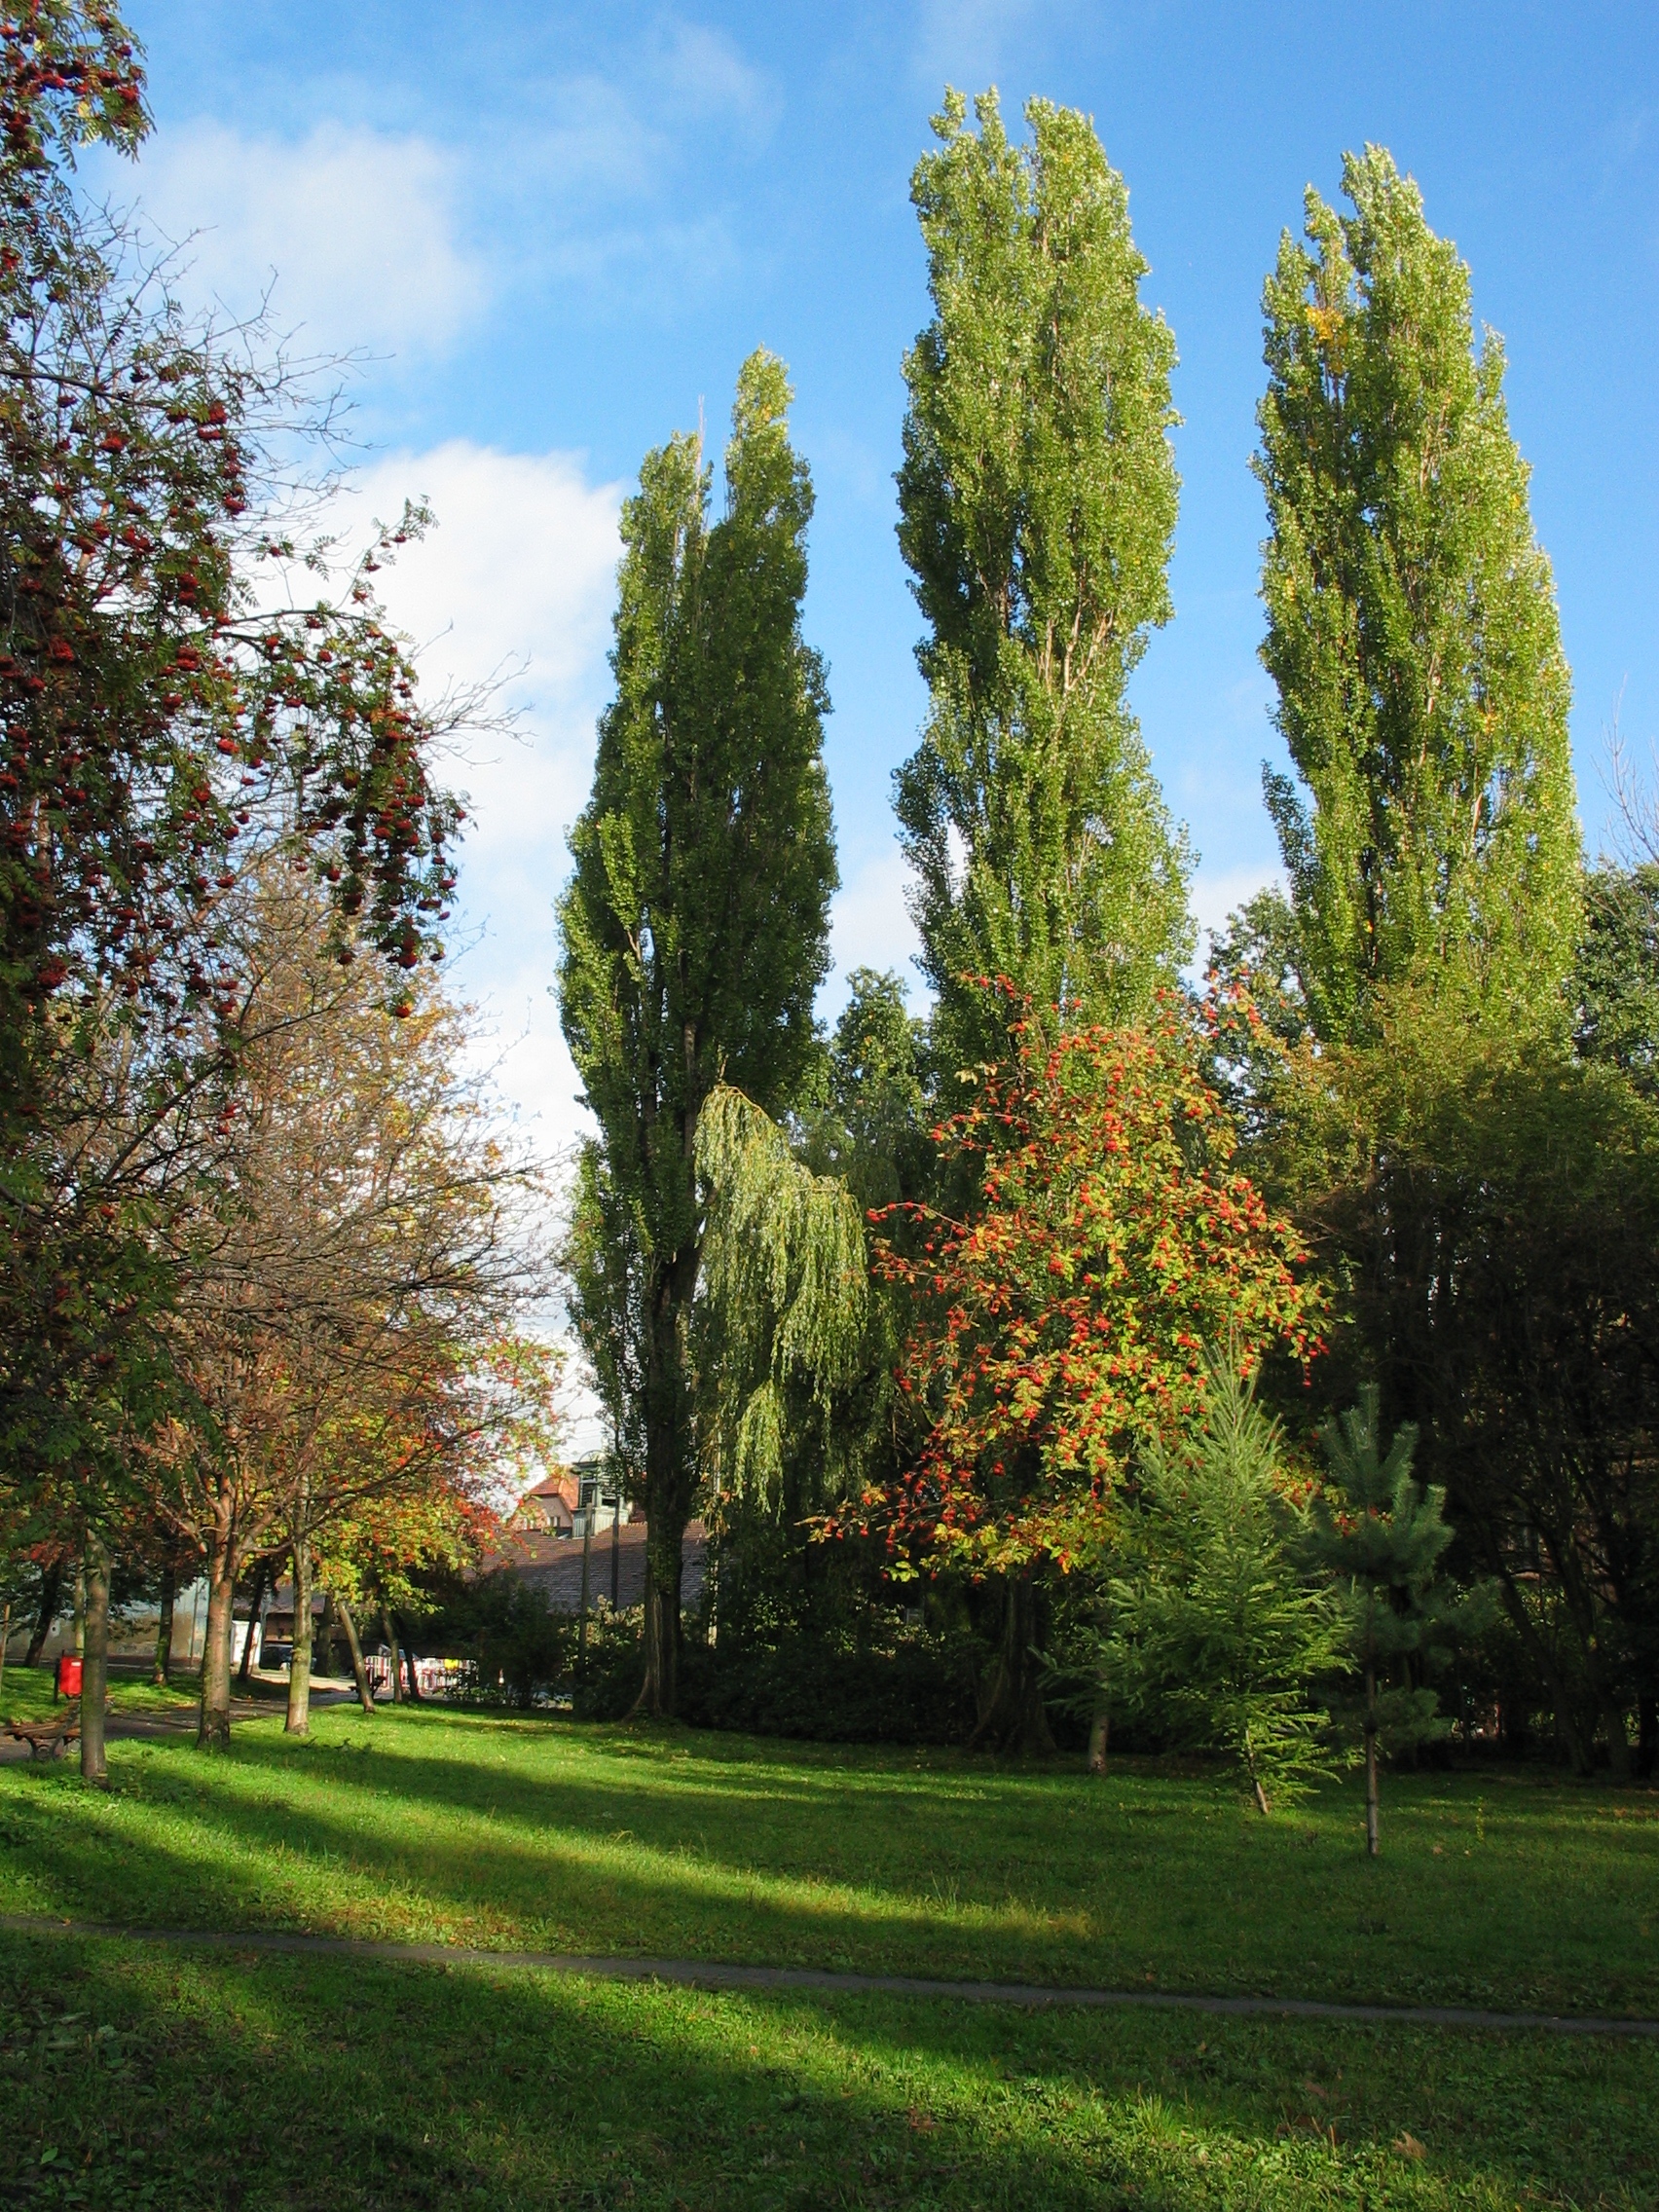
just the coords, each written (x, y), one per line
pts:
(181, 1719)
(699, 1974)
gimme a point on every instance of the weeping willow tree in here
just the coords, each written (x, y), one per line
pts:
(786, 1315)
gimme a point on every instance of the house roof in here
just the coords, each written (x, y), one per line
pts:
(554, 1563)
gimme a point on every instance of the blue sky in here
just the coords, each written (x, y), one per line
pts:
(553, 233)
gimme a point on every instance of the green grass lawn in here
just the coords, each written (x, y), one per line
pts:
(249, 2079)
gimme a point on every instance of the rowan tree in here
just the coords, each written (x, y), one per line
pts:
(694, 928)
(1037, 509)
(1060, 1326)
(161, 712)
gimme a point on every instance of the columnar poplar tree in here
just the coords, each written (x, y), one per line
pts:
(1412, 626)
(1037, 504)
(695, 925)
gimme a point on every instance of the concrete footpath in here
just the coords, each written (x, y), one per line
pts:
(702, 1973)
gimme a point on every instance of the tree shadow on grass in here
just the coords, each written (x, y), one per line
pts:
(259, 2082)
(400, 1843)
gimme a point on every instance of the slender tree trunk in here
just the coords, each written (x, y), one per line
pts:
(1014, 1717)
(51, 1597)
(616, 1551)
(1373, 1844)
(659, 1694)
(80, 1614)
(355, 1644)
(5, 1638)
(587, 1555)
(1618, 1738)
(409, 1665)
(161, 1671)
(255, 1603)
(323, 1644)
(390, 1634)
(94, 1660)
(1647, 1736)
(1099, 1735)
(298, 1722)
(213, 1729)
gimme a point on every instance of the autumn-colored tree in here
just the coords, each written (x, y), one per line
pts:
(1061, 1326)
(161, 712)
(345, 1326)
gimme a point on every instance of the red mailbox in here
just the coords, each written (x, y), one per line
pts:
(68, 1675)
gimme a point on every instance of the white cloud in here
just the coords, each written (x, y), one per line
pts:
(870, 927)
(517, 581)
(964, 43)
(359, 230)
(703, 75)
(1218, 892)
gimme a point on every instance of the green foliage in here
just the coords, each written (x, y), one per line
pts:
(694, 926)
(1616, 980)
(785, 1283)
(1381, 1535)
(1412, 626)
(1216, 1637)
(1037, 504)
(868, 1123)
(521, 1648)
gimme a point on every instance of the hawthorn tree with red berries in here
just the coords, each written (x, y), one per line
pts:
(1061, 1325)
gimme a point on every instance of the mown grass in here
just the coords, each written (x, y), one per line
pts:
(1519, 1891)
(254, 2080)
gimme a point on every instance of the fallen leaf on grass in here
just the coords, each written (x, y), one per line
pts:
(1408, 2147)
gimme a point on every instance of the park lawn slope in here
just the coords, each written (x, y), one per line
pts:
(137, 2077)
(1514, 1893)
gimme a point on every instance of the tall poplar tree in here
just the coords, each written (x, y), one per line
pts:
(1411, 625)
(694, 928)
(1037, 505)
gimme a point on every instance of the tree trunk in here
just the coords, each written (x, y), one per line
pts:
(390, 1634)
(1099, 1734)
(161, 1671)
(659, 1693)
(1373, 1844)
(1618, 1738)
(50, 1596)
(213, 1729)
(5, 1638)
(256, 1600)
(298, 1722)
(323, 1644)
(80, 1614)
(587, 1556)
(353, 1644)
(94, 1660)
(409, 1664)
(1647, 1736)
(1012, 1717)
(616, 1551)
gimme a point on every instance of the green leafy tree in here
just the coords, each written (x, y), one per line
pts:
(1036, 507)
(1381, 1535)
(695, 924)
(1411, 625)
(1616, 980)
(1216, 1634)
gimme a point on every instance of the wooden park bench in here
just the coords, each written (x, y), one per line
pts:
(47, 1739)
